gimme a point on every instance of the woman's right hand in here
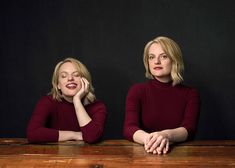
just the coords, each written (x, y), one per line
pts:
(70, 135)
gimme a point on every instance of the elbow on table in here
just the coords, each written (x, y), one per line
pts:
(41, 136)
(93, 137)
(31, 137)
(127, 135)
(91, 140)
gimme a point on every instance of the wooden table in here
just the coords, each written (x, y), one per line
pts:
(114, 153)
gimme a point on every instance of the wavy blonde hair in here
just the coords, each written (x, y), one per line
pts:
(82, 70)
(173, 51)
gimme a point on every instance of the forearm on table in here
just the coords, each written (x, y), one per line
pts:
(69, 135)
(176, 135)
(139, 136)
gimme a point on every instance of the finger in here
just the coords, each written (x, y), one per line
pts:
(157, 143)
(152, 139)
(166, 147)
(154, 152)
(161, 147)
(85, 80)
(146, 141)
(81, 90)
(82, 83)
(86, 84)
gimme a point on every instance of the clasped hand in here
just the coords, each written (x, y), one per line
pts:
(157, 143)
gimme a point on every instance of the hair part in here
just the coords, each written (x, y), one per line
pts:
(173, 51)
(82, 70)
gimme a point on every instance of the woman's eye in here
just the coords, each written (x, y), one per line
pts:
(63, 76)
(76, 75)
(151, 57)
(164, 56)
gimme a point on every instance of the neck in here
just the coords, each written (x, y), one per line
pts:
(163, 79)
(68, 99)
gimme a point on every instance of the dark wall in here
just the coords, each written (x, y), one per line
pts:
(109, 37)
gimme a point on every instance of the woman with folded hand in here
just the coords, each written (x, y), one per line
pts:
(162, 110)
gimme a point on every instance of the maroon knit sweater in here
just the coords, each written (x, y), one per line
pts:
(155, 106)
(50, 116)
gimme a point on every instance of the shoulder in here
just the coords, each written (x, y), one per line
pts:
(138, 87)
(47, 99)
(189, 90)
(96, 104)
(137, 90)
(45, 105)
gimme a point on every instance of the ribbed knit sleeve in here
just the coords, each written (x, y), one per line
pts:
(191, 114)
(37, 131)
(93, 131)
(132, 115)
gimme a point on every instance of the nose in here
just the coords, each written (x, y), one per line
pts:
(70, 77)
(157, 60)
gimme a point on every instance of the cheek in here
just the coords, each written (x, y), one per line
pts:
(168, 65)
(60, 84)
(79, 84)
(150, 64)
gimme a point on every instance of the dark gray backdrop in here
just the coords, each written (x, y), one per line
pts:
(109, 37)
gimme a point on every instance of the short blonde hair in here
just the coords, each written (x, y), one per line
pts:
(173, 51)
(82, 70)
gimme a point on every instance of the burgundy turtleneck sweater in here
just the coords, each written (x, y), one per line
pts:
(155, 106)
(50, 116)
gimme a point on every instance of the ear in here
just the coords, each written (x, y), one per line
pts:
(58, 87)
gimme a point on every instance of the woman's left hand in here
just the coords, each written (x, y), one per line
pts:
(157, 143)
(83, 90)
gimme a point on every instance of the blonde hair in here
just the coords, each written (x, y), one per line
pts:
(173, 51)
(82, 70)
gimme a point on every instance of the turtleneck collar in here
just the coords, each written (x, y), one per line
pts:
(159, 84)
(66, 101)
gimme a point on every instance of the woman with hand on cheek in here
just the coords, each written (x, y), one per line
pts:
(70, 111)
(162, 110)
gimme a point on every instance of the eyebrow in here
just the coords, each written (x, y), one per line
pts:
(67, 72)
(154, 54)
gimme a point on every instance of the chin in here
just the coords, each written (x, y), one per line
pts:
(158, 75)
(70, 94)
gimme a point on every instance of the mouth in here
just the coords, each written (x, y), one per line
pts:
(157, 68)
(71, 86)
